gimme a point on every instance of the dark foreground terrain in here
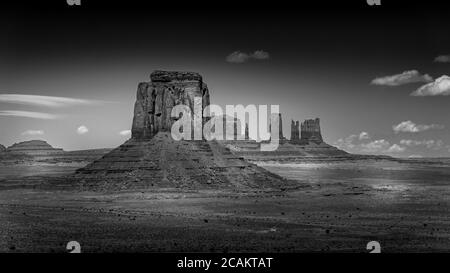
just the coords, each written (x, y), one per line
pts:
(338, 207)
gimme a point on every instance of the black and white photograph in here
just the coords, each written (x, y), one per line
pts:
(130, 127)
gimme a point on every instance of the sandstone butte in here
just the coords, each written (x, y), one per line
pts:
(152, 159)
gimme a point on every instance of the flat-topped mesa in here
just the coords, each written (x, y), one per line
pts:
(309, 132)
(33, 147)
(169, 76)
(155, 100)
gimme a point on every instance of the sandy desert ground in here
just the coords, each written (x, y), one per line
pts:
(338, 207)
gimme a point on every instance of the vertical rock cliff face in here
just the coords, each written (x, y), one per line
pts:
(295, 134)
(310, 131)
(280, 127)
(155, 100)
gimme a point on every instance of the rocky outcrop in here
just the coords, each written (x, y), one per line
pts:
(280, 127)
(33, 147)
(155, 100)
(247, 136)
(295, 133)
(309, 132)
(2, 148)
(305, 144)
(152, 159)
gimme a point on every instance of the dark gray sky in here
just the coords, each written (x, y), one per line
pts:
(331, 63)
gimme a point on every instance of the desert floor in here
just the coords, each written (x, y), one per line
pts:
(338, 208)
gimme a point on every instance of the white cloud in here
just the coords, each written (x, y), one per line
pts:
(28, 114)
(411, 127)
(430, 144)
(381, 146)
(361, 144)
(442, 59)
(364, 135)
(82, 130)
(260, 55)
(440, 87)
(238, 57)
(48, 101)
(376, 146)
(346, 143)
(33, 133)
(350, 141)
(125, 133)
(396, 149)
(242, 57)
(402, 78)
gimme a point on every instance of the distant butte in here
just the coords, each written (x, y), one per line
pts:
(33, 147)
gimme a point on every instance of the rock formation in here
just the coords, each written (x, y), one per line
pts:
(280, 127)
(155, 100)
(2, 148)
(235, 123)
(309, 132)
(295, 134)
(152, 159)
(306, 144)
(33, 147)
(247, 137)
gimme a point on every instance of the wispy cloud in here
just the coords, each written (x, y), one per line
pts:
(28, 114)
(376, 146)
(125, 133)
(260, 55)
(402, 78)
(47, 101)
(242, 57)
(410, 127)
(440, 87)
(33, 133)
(82, 130)
(442, 59)
(430, 144)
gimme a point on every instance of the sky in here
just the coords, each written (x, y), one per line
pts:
(376, 76)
